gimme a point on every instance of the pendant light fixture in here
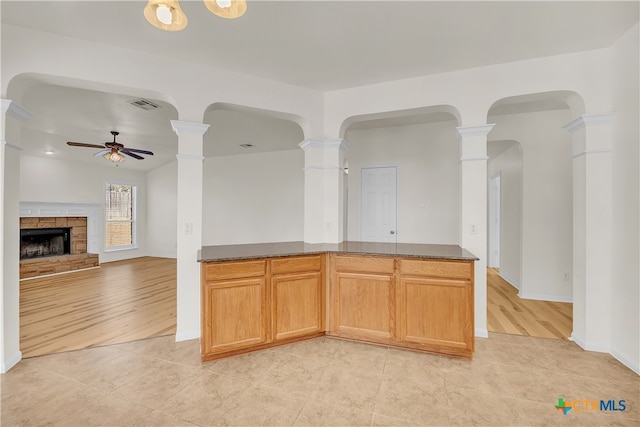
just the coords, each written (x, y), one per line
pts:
(166, 15)
(229, 9)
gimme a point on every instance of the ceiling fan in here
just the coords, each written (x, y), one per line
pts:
(113, 150)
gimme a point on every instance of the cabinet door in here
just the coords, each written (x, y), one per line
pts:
(363, 305)
(437, 312)
(235, 315)
(297, 305)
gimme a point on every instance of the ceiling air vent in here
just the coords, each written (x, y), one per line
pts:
(144, 104)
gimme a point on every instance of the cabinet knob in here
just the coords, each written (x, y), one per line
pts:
(392, 232)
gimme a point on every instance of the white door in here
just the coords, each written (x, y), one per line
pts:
(494, 221)
(378, 207)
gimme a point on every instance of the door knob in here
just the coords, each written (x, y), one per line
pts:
(392, 232)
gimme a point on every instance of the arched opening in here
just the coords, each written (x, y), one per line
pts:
(253, 176)
(68, 186)
(536, 220)
(418, 150)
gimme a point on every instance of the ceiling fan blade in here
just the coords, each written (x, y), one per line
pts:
(135, 156)
(136, 150)
(82, 144)
(102, 153)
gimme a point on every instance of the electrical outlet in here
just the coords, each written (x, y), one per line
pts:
(474, 229)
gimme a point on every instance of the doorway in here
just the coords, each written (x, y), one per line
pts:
(378, 216)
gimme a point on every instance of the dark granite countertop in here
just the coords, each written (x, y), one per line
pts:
(282, 249)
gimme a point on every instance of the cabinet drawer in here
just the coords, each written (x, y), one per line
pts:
(234, 270)
(365, 264)
(296, 264)
(444, 269)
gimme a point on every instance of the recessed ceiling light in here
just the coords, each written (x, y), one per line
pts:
(246, 145)
(49, 152)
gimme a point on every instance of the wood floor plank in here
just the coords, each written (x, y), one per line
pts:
(508, 313)
(119, 302)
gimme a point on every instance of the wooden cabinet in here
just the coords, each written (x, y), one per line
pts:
(234, 306)
(363, 297)
(297, 297)
(420, 304)
(436, 306)
(247, 305)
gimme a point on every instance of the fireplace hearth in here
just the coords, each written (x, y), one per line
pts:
(44, 242)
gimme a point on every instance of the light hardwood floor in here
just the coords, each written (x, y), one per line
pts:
(508, 313)
(119, 302)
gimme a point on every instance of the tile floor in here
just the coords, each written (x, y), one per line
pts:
(157, 382)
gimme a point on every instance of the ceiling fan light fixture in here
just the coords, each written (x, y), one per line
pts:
(166, 15)
(114, 156)
(228, 9)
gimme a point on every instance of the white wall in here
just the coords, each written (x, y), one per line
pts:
(547, 214)
(59, 181)
(161, 221)
(253, 198)
(625, 334)
(509, 165)
(427, 157)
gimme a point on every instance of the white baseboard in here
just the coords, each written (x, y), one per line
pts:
(11, 362)
(600, 348)
(482, 333)
(187, 335)
(163, 255)
(621, 357)
(509, 281)
(627, 361)
(542, 297)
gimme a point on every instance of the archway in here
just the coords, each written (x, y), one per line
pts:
(56, 180)
(538, 253)
(420, 145)
(253, 176)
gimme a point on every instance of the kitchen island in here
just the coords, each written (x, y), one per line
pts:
(415, 296)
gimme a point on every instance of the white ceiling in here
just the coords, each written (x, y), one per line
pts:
(329, 45)
(322, 45)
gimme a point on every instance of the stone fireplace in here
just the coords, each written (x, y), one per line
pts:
(50, 245)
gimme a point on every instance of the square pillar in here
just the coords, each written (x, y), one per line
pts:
(324, 204)
(473, 211)
(189, 240)
(592, 230)
(10, 234)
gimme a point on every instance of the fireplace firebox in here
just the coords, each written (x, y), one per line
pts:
(44, 242)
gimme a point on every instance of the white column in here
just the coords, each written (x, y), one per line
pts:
(473, 211)
(323, 190)
(10, 236)
(592, 228)
(189, 239)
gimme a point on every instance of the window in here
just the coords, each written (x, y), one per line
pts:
(120, 216)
